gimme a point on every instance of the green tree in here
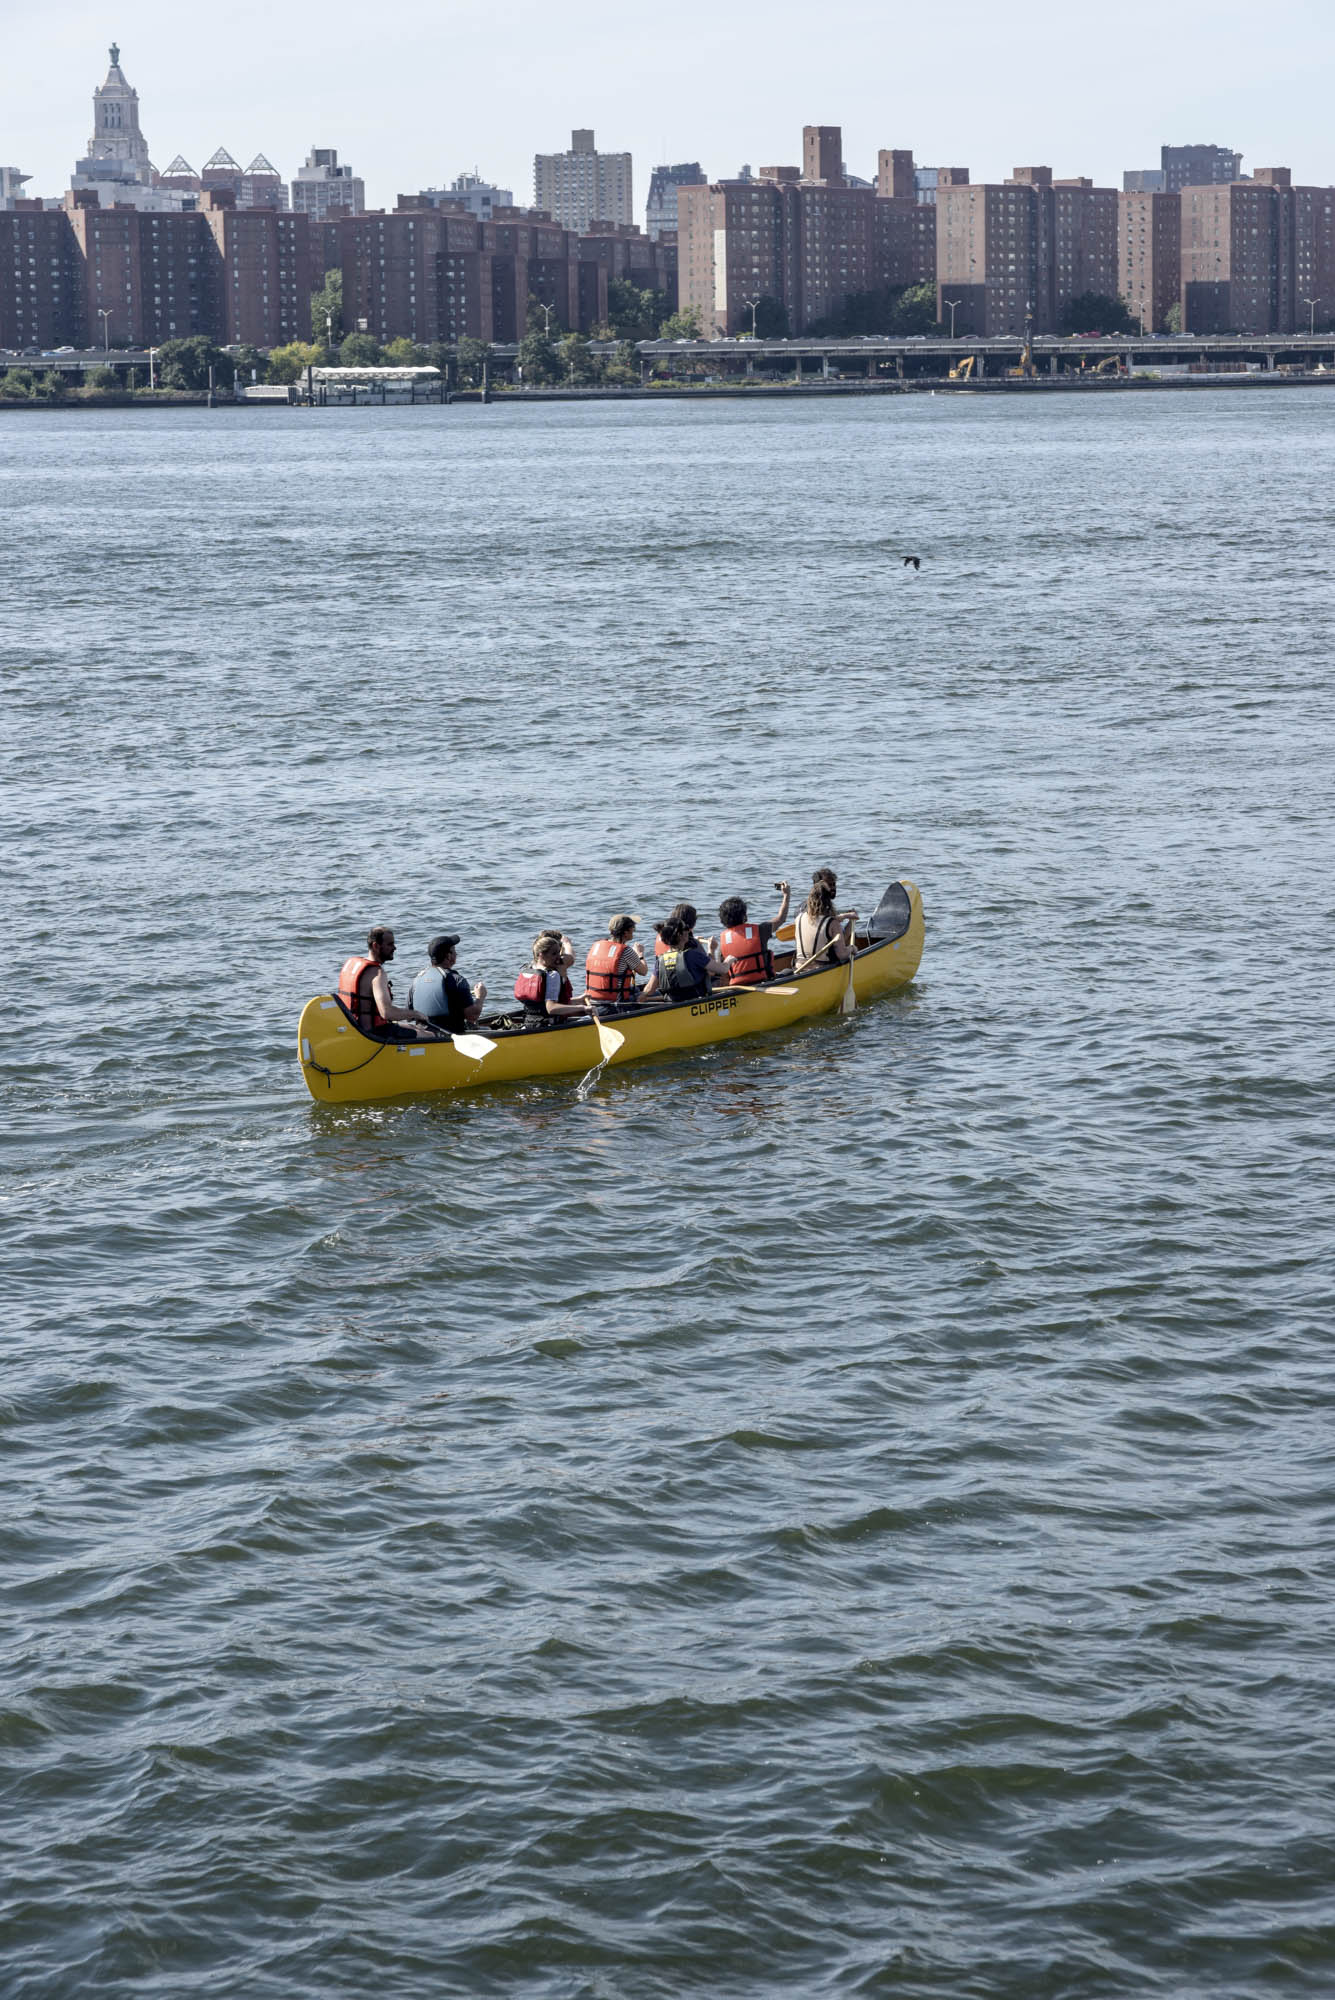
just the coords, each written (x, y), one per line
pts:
(53, 384)
(538, 361)
(633, 314)
(771, 317)
(104, 381)
(327, 311)
(360, 350)
(19, 382)
(915, 310)
(404, 353)
(185, 364)
(576, 359)
(244, 359)
(1096, 312)
(471, 357)
(684, 325)
(624, 366)
(1172, 319)
(289, 364)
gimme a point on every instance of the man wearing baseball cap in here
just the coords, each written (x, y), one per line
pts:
(442, 995)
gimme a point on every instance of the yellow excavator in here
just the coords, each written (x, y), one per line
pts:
(1026, 368)
(963, 370)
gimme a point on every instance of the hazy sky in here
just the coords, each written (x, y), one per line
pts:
(412, 94)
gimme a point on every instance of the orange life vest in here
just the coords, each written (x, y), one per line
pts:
(607, 981)
(742, 943)
(354, 990)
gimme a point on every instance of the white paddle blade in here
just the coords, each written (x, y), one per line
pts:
(849, 1003)
(609, 1041)
(475, 1046)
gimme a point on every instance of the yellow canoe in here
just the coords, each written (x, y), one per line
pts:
(343, 1066)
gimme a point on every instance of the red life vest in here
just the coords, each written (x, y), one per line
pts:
(354, 990)
(742, 943)
(606, 980)
(531, 988)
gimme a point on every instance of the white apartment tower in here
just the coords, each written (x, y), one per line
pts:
(583, 186)
(323, 188)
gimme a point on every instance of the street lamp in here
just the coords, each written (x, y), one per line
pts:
(104, 314)
(1143, 304)
(151, 353)
(952, 303)
(749, 305)
(546, 312)
(1312, 304)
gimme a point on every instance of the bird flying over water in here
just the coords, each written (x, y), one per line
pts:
(915, 560)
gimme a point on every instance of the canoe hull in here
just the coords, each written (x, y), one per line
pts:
(342, 1066)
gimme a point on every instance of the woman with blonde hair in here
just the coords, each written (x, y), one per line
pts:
(545, 989)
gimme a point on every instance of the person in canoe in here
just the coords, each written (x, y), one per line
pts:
(680, 913)
(364, 989)
(744, 947)
(820, 935)
(442, 995)
(611, 968)
(683, 967)
(545, 989)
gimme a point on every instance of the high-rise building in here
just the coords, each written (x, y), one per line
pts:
(41, 279)
(926, 180)
(583, 186)
(266, 264)
(117, 150)
(823, 155)
(12, 184)
(471, 194)
(660, 212)
(1230, 258)
(260, 185)
(1258, 256)
(1011, 256)
(116, 168)
(1198, 166)
(323, 188)
(1149, 255)
(806, 242)
(1143, 180)
(148, 276)
(180, 177)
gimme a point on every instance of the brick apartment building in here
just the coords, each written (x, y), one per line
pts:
(128, 277)
(1149, 256)
(42, 302)
(1013, 254)
(802, 236)
(434, 272)
(263, 270)
(1258, 256)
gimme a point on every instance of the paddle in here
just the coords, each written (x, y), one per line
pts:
(848, 1002)
(475, 1046)
(609, 1039)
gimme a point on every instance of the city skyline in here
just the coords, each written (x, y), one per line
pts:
(710, 93)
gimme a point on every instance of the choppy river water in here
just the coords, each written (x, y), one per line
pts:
(846, 1513)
